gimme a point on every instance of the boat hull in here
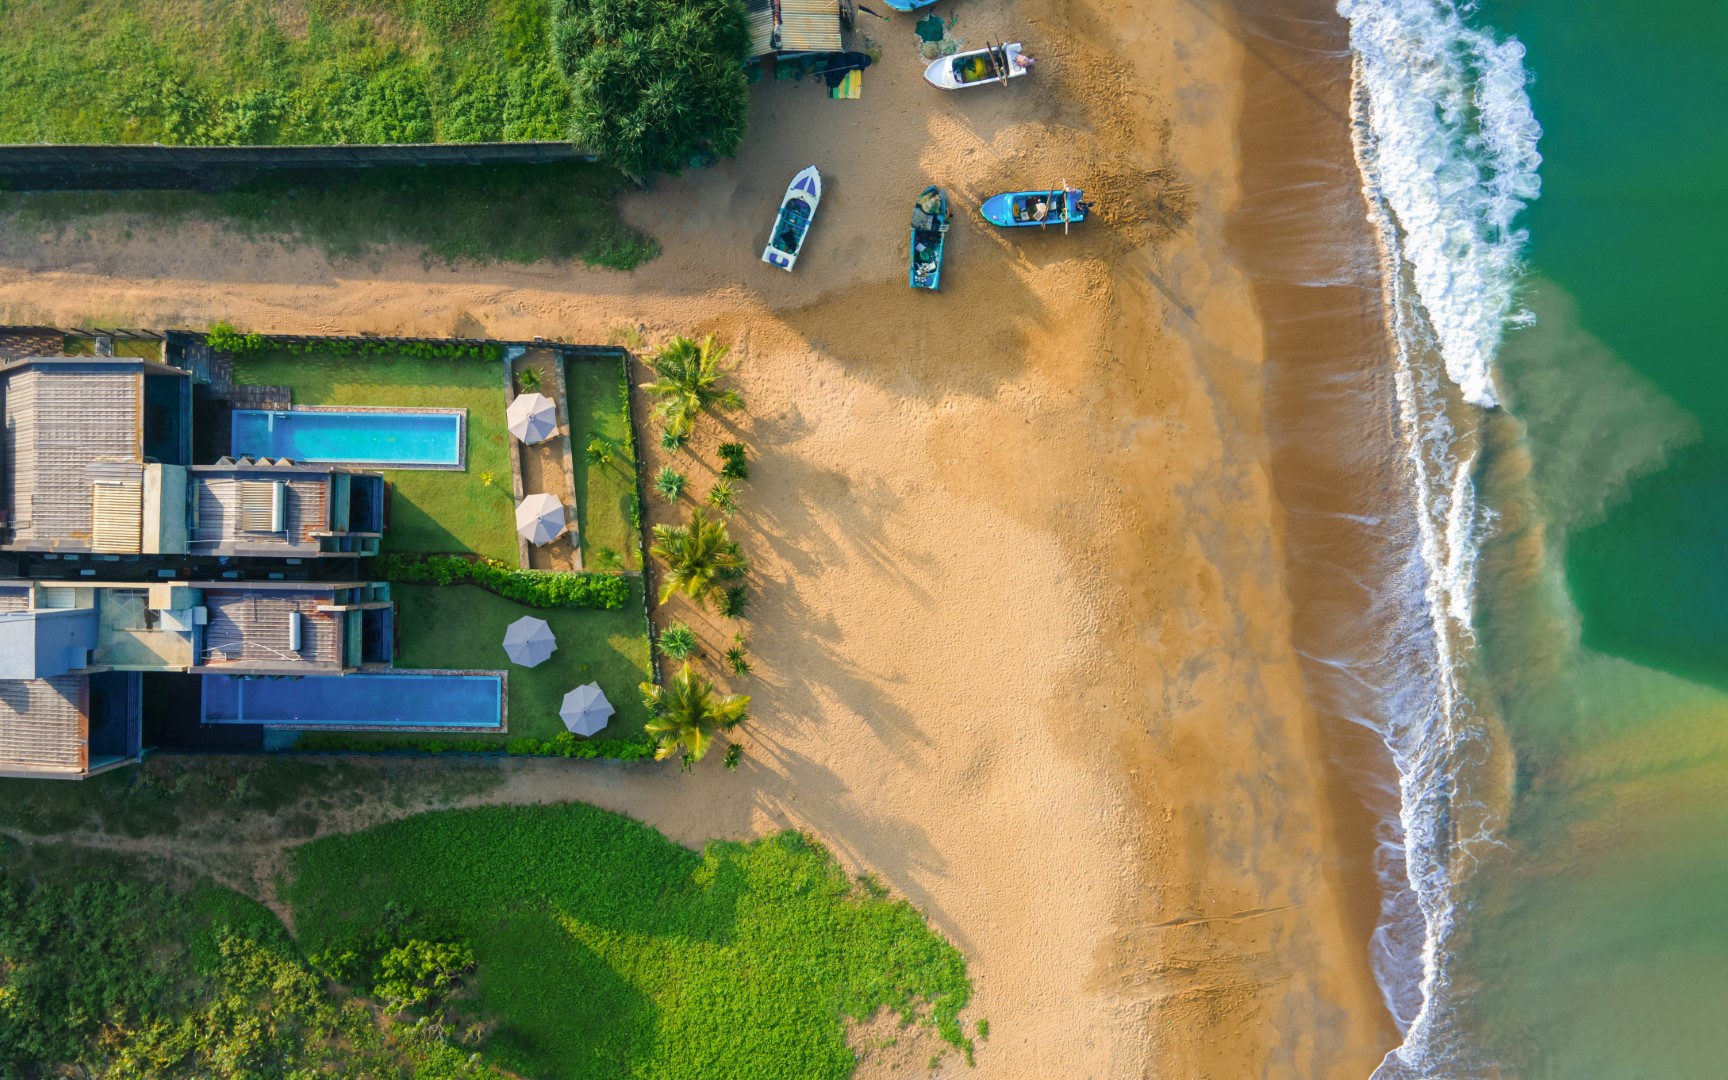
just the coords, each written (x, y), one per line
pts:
(977, 67)
(793, 220)
(1001, 210)
(929, 239)
(908, 5)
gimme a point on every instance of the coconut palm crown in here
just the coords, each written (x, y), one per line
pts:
(687, 712)
(689, 383)
(699, 557)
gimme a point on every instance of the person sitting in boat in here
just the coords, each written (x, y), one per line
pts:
(1023, 62)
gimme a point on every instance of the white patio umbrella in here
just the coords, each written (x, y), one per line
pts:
(540, 518)
(532, 418)
(585, 710)
(528, 641)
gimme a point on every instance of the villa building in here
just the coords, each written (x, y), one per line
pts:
(135, 553)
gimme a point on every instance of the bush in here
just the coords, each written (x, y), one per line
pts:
(678, 641)
(224, 338)
(669, 482)
(734, 600)
(536, 588)
(656, 84)
(723, 497)
(733, 466)
(563, 745)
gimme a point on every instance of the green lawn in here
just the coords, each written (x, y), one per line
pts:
(606, 508)
(431, 510)
(462, 626)
(478, 213)
(605, 950)
(205, 72)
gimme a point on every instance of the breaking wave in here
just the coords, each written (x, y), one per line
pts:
(1446, 142)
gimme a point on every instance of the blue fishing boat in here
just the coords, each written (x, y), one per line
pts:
(1018, 209)
(908, 5)
(797, 210)
(929, 236)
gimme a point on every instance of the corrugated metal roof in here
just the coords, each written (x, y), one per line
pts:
(58, 420)
(256, 626)
(809, 25)
(221, 518)
(42, 727)
(760, 14)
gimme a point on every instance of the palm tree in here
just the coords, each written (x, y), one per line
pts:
(698, 557)
(687, 713)
(689, 383)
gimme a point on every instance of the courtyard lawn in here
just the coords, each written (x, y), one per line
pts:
(605, 950)
(462, 626)
(431, 510)
(606, 505)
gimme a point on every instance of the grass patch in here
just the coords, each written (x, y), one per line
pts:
(605, 950)
(242, 72)
(431, 510)
(607, 511)
(461, 626)
(455, 213)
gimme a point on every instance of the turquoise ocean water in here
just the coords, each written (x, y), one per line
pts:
(1566, 400)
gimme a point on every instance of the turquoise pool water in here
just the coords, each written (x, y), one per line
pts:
(405, 701)
(411, 439)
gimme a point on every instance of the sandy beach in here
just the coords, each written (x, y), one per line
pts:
(1021, 624)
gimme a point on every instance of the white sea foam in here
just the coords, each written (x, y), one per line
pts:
(1446, 142)
(1455, 140)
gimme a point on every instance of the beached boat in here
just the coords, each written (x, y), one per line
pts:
(979, 67)
(929, 237)
(1017, 209)
(792, 224)
(908, 5)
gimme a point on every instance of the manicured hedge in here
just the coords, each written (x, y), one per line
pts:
(536, 588)
(224, 338)
(562, 745)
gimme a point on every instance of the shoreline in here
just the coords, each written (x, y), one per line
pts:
(1022, 618)
(1339, 467)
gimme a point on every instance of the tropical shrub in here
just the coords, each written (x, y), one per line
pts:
(723, 497)
(698, 557)
(655, 84)
(687, 382)
(420, 972)
(687, 712)
(599, 451)
(528, 379)
(669, 482)
(536, 588)
(734, 754)
(734, 600)
(733, 466)
(678, 641)
(735, 658)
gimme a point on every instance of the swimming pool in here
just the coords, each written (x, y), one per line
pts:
(393, 701)
(401, 439)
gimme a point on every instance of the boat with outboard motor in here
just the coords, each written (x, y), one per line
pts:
(792, 224)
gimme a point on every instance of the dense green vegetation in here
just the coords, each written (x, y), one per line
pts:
(658, 84)
(431, 510)
(201, 72)
(463, 627)
(604, 950)
(536, 588)
(474, 213)
(102, 973)
(608, 514)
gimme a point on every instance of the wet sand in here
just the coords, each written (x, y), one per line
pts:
(1020, 624)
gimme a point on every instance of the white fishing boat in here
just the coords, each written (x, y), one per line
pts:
(792, 224)
(979, 67)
